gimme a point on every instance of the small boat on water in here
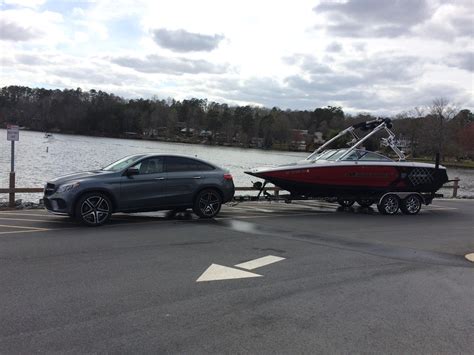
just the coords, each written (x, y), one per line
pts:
(48, 135)
(356, 174)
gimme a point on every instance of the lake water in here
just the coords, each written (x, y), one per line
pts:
(39, 159)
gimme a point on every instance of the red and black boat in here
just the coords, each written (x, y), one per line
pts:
(355, 174)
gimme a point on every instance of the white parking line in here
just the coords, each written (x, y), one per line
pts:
(437, 207)
(35, 220)
(24, 231)
(29, 213)
(21, 227)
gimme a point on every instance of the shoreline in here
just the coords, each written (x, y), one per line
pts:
(182, 140)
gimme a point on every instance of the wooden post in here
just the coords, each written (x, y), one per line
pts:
(11, 200)
(455, 186)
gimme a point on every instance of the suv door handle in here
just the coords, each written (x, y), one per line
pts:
(159, 178)
(196, 177)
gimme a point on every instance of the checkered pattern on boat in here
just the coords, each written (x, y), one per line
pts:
(421, 176)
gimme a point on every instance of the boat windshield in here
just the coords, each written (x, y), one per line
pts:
(122, 163)
(323, 155)
(339, 153)
(364, 155)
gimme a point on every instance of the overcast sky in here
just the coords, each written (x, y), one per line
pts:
(379, 56)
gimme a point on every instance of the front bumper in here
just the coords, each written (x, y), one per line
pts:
(60, 203)
(55, 205)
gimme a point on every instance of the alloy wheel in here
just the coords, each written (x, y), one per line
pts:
(389, 204)
(95, 210)
(411, 204)
(209, 203)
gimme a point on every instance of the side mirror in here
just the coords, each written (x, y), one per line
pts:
(132, 171)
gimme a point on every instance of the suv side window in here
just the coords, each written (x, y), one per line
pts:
(175, 164)
(150, 166)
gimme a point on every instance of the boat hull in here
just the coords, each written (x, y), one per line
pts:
(355, 179)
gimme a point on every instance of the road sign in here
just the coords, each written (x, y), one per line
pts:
(13, 133)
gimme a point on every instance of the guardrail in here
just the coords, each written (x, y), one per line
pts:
(19, 190)
(276, 190)
(454, 186)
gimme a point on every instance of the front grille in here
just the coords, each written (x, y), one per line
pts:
(49, 189)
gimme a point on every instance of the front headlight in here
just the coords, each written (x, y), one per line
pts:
(68, 187)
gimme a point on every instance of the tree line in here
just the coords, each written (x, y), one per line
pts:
(439, 127)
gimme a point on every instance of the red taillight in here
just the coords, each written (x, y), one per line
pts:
(227, 177)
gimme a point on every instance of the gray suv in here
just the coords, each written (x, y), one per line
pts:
(140, 183)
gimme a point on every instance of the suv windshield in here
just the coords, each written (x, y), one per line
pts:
(122, 163)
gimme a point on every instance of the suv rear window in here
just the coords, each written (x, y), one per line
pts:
(174, 164)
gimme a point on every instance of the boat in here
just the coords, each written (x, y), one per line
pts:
(354, 174)
(48, 135)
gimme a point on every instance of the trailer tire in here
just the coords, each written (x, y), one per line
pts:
(411, 204)
(389, 204)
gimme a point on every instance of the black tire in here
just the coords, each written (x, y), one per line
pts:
(93, 209)
(365, 202)
(411, 205)
(389, 204)
(345, 202)
(207, 203)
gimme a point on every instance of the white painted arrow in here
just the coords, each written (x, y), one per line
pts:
(253, 264)
(217, 272)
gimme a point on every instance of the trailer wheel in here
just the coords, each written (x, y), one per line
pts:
(345, 202)
(365, 202)
(411, 204)
(389, 204)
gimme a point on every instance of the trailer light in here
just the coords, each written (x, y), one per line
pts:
(227, 177)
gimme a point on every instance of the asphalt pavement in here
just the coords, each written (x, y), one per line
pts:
(305, 277)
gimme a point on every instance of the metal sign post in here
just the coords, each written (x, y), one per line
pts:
(13, 134)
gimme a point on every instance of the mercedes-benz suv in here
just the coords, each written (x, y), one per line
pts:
(140, 183)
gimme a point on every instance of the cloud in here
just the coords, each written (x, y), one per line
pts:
(380, 68)
(308, 63)
(184, 41)
(373, 18)
(11, 31)
(462, 60)
(167, 65)
(334, 47)
(365, 84)
(27, 25)
(30, 59)
(25, 3)
(450, 21)
(386, 68)
(93, 75)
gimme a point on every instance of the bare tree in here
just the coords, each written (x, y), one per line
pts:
(441, 112)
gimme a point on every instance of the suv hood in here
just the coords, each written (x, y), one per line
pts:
(85, 175)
